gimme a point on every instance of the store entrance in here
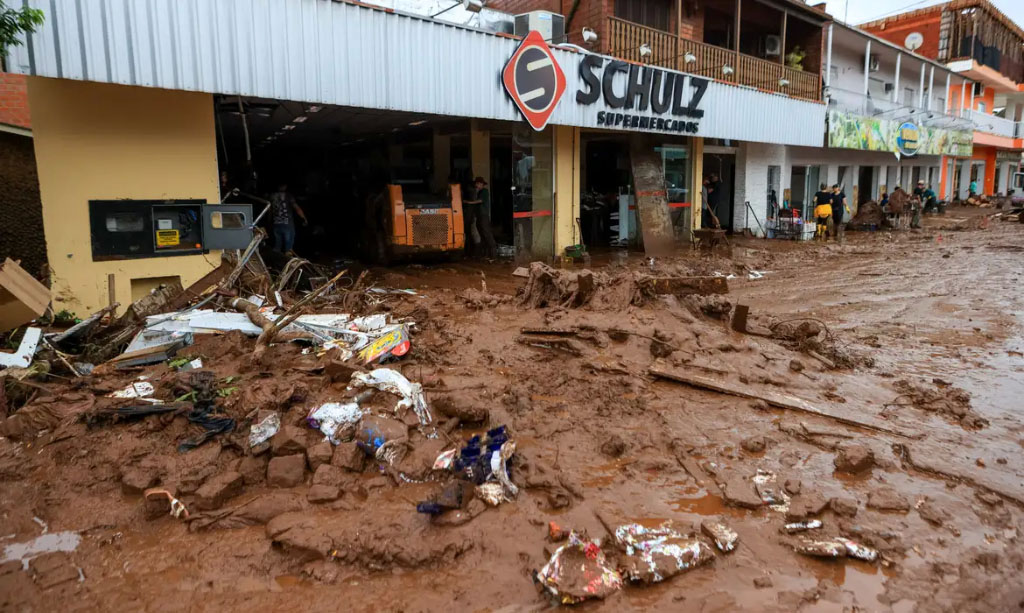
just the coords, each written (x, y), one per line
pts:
(866, 183)
(608, 215)
(720, 181)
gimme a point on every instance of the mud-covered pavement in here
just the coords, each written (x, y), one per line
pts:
(934, 481)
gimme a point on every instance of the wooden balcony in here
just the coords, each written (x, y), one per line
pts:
(685, 55)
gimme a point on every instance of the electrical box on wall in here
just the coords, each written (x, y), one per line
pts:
(127, 229)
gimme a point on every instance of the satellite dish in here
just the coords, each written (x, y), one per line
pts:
(914, 41)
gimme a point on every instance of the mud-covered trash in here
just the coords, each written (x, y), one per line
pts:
(837, 548)
(266, 428)
(802, 526)
(492, 493)
(445, 460)
(578, 571)
(392, 381)
(452, 495)
(771, 494)
(656, 554)
(556, 533)
(392, 344)
(944, 399)
(176, 508)
(724, 537)
(137, 389)
(336, 420)
(821, 549)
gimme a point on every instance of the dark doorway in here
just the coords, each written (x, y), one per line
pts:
(864, 182)
(721, 168)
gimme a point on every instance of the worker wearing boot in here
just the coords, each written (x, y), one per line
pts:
(477, 213)
(840, 209)
(823, 213)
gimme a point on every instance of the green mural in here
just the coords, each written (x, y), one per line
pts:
(849, 131)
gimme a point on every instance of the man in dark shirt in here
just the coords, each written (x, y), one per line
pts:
(839, 210)
(476, 212)
(283, 208)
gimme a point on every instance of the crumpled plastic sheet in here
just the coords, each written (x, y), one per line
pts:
(771, 494)
(492, 493)
(578, 571)
(393, 381)
(655, 554)
(329, 417)
(261, 432)
(136, 389)
(499, 468)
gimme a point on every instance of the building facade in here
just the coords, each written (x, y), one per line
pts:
(977, 41)
(148, 102)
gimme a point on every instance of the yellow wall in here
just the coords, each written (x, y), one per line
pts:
(567, 187)
(480, 151)
(99, 141)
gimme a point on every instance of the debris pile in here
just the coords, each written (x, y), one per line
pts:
(942, 398)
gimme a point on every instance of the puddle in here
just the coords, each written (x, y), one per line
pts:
(291, 581)
(708, 505)
(46, 543)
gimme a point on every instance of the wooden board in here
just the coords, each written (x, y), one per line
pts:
(22, 298)
(651, 196)
(782, 401)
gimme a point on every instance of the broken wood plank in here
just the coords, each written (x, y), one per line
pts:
(22, 297)
(781, 401)
(557, 343)
(681, 286)
(151, 355)
(817, 356)
(550, 331)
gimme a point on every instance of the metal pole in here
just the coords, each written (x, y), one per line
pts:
(867, 65)
(931, 85)
(828, 58)
(946, 110)
(896, 82)
(245, 130)
(920, 89)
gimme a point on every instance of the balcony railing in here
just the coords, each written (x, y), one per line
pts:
(670, 51)
(990, 124)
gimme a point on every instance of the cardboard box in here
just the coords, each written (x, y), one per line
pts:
(22, 298)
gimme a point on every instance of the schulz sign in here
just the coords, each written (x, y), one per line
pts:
(634, 97)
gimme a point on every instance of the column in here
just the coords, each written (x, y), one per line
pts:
(948, 94)
(920, 88)
(696, 182)
(567, 187)
(931, 86)
(867, 65)
(828, 57)
(896, 80)
(965, 178)
(442, 159)
(881, 180)
(480, 151)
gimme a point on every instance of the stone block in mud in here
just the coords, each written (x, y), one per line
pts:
(753, 444)
(51, 569)
(320, 453)
(328, 475)
(806, 505)
(219, 489)
(253, 469)
(792, 486)
(322, 493)
(339, 371)
(138, 480)
(289, 440)
(932, 512)
(886, 498)
(286, 471)
(349, 456)
(846, 507)
(451, 406)
(738, 491)
(301, 535)
(418, 463)
(854, 458)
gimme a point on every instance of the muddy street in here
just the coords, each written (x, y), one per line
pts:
(857, 448)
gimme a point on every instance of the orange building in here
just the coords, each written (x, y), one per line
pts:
(979, 42)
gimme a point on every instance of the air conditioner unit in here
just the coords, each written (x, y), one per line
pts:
(772, 45)
(889, 87)
(873, 64)
(550, 25)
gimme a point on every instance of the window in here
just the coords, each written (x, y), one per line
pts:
(227, 221)
(651, 13)
(125, 222)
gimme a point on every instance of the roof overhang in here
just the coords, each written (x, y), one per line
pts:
(986, 75)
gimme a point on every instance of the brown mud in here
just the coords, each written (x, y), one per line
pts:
(930, 322)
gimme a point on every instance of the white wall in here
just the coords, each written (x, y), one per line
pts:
(752, 162)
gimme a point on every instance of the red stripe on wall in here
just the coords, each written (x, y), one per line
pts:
(526, 214)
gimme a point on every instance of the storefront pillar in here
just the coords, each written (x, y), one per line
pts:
(480, 151)
(442, 159)
(567, 187)
(697, 184)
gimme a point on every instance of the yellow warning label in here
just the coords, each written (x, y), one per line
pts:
(167, 238)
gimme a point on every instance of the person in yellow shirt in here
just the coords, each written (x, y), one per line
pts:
(823, 212)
